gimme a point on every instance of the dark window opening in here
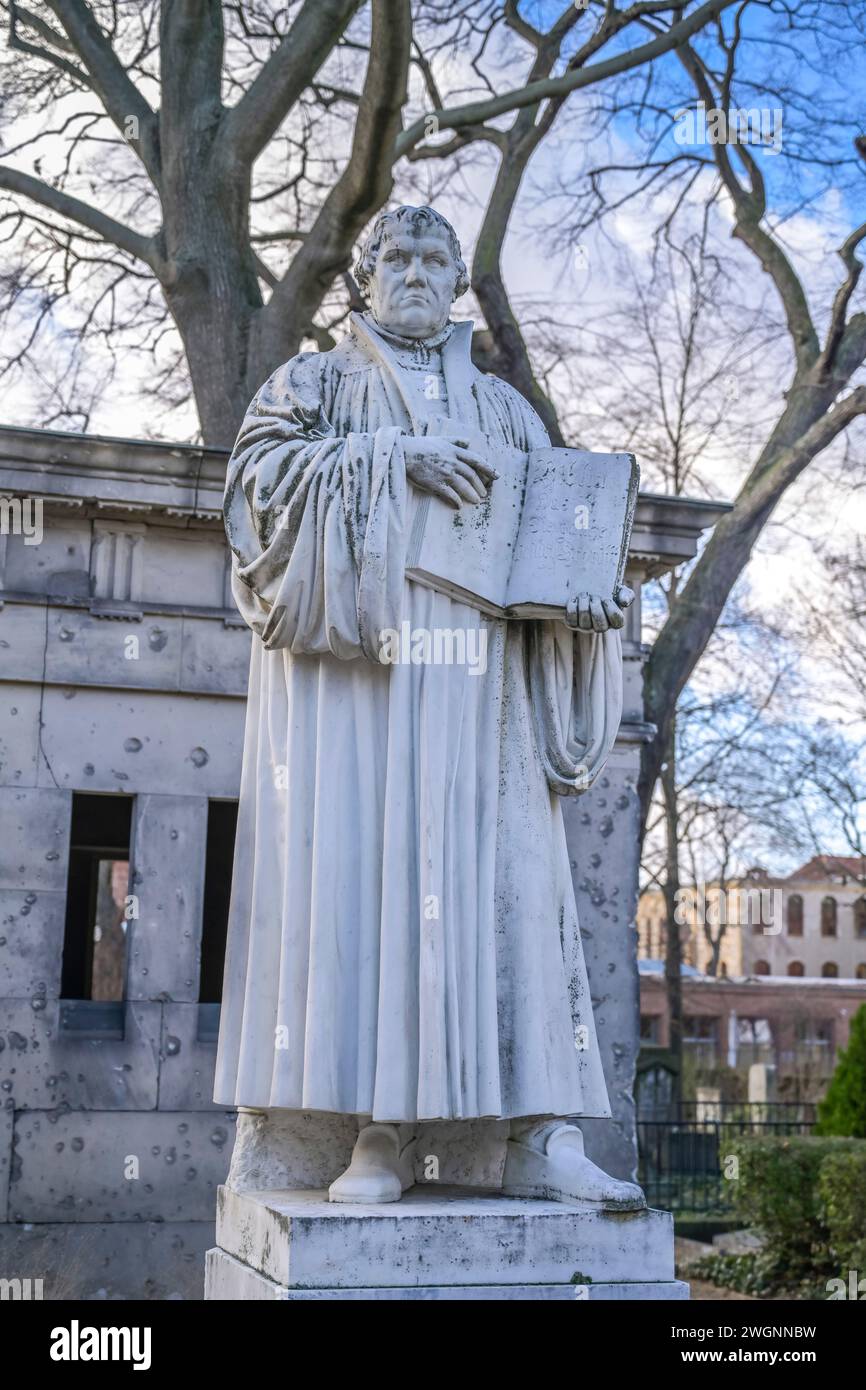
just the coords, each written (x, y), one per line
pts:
(650, 1028)
(828, 916)
(700, 1028)
(95, 934)
(222, 819)
(794, 909)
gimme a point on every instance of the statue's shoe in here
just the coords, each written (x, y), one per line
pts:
(550, 1163)
(380, 1171)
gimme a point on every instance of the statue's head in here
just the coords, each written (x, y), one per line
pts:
(411, 266)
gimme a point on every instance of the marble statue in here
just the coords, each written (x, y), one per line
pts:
(403, 938)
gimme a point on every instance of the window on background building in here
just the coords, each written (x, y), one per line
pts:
(814, 1032)
(828, 916)
(860, 972)
(700, 1028)
(794, 915)
(650, 1028)
(222, 819)
(860, 919)
(755, 1041)
(97, 884)
(796, 968)
(701, 1037)
(830, 970)
(762, 967)
(723, 970)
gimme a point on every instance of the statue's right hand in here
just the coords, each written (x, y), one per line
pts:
(448, 468)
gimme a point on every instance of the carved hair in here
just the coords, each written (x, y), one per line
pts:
(419, 220)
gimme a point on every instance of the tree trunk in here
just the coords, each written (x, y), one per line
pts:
(673, 945)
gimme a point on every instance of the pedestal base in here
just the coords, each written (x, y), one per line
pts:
(437, 1243)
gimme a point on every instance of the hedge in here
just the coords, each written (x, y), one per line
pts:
(801, 1193)
(842, 1196)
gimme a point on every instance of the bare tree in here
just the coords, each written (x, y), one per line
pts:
(821, 400)
(200, 94)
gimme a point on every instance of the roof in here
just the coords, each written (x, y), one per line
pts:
(657, 967)
(822, 866)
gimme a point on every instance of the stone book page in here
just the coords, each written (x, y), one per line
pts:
(556, 524)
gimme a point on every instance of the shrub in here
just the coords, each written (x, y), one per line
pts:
(843, 1109)
(841, 1188)
(777, 1193)
(753, 1274)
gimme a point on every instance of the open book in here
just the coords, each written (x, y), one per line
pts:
(556, 523)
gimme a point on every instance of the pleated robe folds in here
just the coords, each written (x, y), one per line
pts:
(403, 937)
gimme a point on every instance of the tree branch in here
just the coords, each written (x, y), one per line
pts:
(477, 112)
(836, 330)
(248, 126)
(749, 207)
(108, 78)
(361, 189)
(685, 634)
(143, 248)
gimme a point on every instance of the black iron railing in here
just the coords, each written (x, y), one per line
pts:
(685, 1164)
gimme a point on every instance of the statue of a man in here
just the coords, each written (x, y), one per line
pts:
(403, 937)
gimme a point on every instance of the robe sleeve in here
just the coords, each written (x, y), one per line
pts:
(316, 521)
(575, 682)
(575, 678)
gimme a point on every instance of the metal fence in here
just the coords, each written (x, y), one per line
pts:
(683, 1152)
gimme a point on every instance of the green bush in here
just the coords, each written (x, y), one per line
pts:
(841, 1189)
(843, 1109)
(752, 1274)
(776, 1192)
(804, 1195)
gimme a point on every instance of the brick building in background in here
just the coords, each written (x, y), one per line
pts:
(791, 973)
(809, 924)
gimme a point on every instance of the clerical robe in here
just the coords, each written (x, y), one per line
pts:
(403, 936)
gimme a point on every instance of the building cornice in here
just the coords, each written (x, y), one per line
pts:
(184, 482)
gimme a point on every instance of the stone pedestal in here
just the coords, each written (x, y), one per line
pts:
(437, 1243)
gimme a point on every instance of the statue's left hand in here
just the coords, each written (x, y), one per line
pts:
(592, 613)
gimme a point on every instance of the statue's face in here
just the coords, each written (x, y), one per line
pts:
(413, 284)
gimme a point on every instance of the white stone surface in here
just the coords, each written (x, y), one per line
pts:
(45, 1068)
(107, 1261)
(403, 937)
(289, 1149)
(185, 1061)
(167, 877)
(230, 1280)
(439, 1237)
(97, 1166)
(6, 1132)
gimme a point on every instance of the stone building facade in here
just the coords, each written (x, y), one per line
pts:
(808, 924)
(794, 1027)
(123, 672)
